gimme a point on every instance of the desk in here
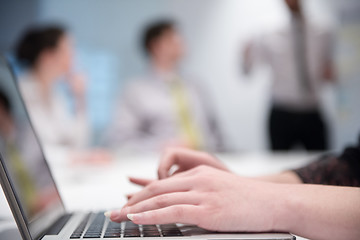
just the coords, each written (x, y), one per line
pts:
(104, 187)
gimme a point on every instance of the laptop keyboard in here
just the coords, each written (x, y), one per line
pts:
(96, 229)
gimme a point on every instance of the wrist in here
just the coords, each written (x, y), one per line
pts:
(285, 209)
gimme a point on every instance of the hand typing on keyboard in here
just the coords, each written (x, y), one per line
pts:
(207, 197)
(215, 199)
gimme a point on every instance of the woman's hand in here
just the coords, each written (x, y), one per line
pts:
(207, 197)
(185, 159)
(221, 201)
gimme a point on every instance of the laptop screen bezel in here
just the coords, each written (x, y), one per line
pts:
(13, 202)
(40, 225)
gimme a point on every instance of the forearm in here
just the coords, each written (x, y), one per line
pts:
(284, 177)
(319, 212)
(247, 59)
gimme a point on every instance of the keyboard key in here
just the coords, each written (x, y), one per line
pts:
(177, 234)
(112, 235)
(92, 236)
(80, 228)
(131, 225)
(149, 227)
(131, 236)
(96, 226)
(168, 226)
(151, 234)
(75, 236)
(128, 235)
(150, 231)
(132, 231)
(170, 230)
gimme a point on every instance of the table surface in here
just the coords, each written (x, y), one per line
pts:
(103, 187)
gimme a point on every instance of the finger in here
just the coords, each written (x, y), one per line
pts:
(160, 201)
(180, 174)
(169, 185)
(179, 170)
(140, 181)
(118, 215)
(128, 196)
(183, 173)
(175, 156)
(187, 214)
(167, 160)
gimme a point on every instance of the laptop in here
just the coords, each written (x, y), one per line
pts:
(34, 198)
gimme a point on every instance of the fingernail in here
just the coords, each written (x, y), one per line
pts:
(108, 214)
(134, 216)
(131, 216)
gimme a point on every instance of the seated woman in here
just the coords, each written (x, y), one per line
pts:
(318, 201)
(47, 55)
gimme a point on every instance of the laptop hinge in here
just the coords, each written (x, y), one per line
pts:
(58, 225)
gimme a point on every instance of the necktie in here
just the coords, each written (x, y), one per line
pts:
(300, 55)
(186, 124)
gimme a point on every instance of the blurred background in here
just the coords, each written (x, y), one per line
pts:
(108, 50)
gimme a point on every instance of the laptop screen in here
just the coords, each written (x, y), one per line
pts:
(23, 159)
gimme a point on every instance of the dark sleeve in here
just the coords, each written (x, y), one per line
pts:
(342, 170)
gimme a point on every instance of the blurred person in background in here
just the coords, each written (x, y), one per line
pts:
(300, 58)
(47, 54)
(164, 107)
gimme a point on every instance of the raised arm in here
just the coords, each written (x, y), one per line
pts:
(328, 69)
(254, 52)
(247, 58)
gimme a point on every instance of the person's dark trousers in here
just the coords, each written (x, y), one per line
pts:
(291, 128)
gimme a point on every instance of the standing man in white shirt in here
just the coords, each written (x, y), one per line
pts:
(164, 107)
(300, 58)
